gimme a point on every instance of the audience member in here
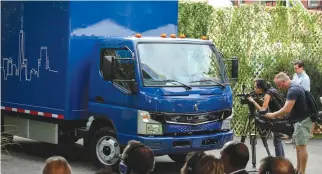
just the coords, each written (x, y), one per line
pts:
(192, 164)
(137, 159)
(211, 165)
(56, 165)
(235, 156)
(276, 165)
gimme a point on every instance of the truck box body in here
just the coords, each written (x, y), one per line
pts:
(79, 70)
(46, 49)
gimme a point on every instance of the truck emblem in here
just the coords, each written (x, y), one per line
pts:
(195, 107)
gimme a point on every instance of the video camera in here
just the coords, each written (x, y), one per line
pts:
(244, 96)
(283, 125)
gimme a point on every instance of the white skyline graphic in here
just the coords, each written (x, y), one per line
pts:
(17, 69)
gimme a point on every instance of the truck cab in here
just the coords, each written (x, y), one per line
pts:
(172, 94)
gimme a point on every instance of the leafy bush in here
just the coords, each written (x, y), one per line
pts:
(266, 40)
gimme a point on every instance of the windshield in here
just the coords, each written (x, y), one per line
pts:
(172, 64)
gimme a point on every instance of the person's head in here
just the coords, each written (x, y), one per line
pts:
(260, 86)
(234, 156)
(276, 165)
(192, 164)
(298, 67)
(282, 80)
(137, 158)
(56, 165)
(211, 165)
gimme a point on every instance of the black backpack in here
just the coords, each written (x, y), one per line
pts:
(311, 105)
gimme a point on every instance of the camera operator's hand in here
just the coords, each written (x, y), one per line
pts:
(269, 115)
(251, 99)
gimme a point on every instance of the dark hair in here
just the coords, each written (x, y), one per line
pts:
(299, 63)
(262, 84)
(279, 165)
(238, 154)
(140, 159)
(193, 160)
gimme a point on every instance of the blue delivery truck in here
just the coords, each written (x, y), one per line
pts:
(108, 72)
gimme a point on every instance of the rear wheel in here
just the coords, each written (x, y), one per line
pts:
(105, 149)
(178, 158)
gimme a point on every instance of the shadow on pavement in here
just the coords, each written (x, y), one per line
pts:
(75, 154)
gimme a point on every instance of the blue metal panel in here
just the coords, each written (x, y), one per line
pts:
(124, 18)
(178, 100)
(164, 145)
(34, 50)
(120, 107)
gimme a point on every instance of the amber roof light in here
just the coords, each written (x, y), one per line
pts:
(182, 36)
(173, 36)
(163, 35)
(204, 38)
(138, 35)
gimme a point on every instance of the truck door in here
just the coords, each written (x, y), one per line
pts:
(115, 97)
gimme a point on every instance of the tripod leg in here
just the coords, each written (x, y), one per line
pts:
(253, 143)
(264, 140)
(245, 131)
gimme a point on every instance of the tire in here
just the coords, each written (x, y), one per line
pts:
(103, 144)
(178, 158)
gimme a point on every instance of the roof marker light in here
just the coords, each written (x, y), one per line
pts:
(182, 36)
(138, 35)
(173, 36)
(204, 38)
(163, 35)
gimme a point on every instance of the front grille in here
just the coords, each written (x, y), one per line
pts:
(195, 118)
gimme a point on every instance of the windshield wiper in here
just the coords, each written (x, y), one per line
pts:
(171, 81)
(208, 80)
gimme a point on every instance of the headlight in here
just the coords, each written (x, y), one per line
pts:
(148, 126)
(226, 124)
(153, 129)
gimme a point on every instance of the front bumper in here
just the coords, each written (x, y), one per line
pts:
(185, 144)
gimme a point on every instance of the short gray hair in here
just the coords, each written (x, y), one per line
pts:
(282, 76)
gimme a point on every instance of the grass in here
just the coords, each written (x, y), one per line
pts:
(7, 139)
(318, 136)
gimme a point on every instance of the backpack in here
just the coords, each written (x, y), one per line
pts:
(312, 106)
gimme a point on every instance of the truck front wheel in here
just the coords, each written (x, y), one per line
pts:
(104, 148)
(178, 158)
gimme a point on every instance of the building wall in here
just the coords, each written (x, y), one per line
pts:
(306, 3)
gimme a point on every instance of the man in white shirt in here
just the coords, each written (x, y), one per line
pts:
(303, 79)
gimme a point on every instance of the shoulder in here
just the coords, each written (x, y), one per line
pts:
(271, 91)
(306, 77)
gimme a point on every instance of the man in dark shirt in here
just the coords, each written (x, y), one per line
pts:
(296, 107)
(234, 156)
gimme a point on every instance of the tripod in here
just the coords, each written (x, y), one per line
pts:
(252, 135)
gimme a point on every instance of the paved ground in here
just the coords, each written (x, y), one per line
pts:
(29, 156)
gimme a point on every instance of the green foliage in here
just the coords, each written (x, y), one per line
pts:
(266, 40)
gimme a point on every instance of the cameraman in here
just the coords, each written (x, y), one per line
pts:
(275, 102)
(296, 107)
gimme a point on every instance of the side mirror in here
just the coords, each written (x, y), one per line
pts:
(108, 73)
(234, 68)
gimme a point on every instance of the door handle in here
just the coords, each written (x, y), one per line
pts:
(99, 99)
